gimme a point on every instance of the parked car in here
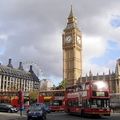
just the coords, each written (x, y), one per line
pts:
(7, 108)
(37, 112)
(47, 108)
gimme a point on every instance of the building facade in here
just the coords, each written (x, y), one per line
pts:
(72, 50)
(45, 84)
(113, 78)
(17, 79)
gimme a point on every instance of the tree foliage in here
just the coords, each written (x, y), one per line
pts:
(62, 85)
(33, 95)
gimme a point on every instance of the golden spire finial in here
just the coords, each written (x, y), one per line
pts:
(71, 3)
(71, 12)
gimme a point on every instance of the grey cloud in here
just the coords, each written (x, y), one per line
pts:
(31, 27)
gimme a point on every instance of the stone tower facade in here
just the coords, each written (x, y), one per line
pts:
(117, 77)
(72, 51)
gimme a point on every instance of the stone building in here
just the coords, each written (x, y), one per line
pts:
(113, 78)
(45, 84)
(17, 79)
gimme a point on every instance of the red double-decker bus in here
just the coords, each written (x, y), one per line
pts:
(88, 99)
(18, 99)
(53, 98)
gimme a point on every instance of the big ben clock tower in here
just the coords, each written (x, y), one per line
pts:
(72, 51)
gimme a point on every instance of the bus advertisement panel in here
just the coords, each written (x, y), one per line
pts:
(88, 99)
(18, 99)
(53, 98)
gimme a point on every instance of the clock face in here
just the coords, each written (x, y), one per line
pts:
(68, 39)
(78, 39)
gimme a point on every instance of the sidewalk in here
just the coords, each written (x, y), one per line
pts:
(11, 116)
(115, 111)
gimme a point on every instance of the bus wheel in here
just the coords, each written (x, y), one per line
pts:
(82, 113)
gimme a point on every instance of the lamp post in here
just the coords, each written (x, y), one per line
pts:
(20, 102)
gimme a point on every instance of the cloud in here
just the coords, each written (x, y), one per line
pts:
(115, 21)
(32, 31)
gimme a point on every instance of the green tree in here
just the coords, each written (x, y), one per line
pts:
(62, 85)
(33, 96)
(53, 87)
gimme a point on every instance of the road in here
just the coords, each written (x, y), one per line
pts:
(54, 116)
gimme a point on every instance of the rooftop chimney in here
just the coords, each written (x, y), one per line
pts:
(31, 69)
(9, 64)
(20, 66)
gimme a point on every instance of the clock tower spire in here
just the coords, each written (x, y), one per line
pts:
(72, 50)
(71, 17)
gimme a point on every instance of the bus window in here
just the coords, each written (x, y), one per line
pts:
(50, 94)
(75, 103)
(87, 103)
(93, 102)
(67, 90)
(44, 94)
(87, 85)
(82, 87)
(77, 88)
(56, 94)
(41, 94)
(47, 94)
(61, 93)
(74, 88)
(83, 103)
(69, 103)
(53, 93)
(99, 103)
(71, 89)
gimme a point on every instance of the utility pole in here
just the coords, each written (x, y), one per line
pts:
(20, 102)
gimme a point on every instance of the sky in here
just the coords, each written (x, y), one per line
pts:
(31, 31)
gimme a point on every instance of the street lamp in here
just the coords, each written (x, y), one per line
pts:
(20, 101)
